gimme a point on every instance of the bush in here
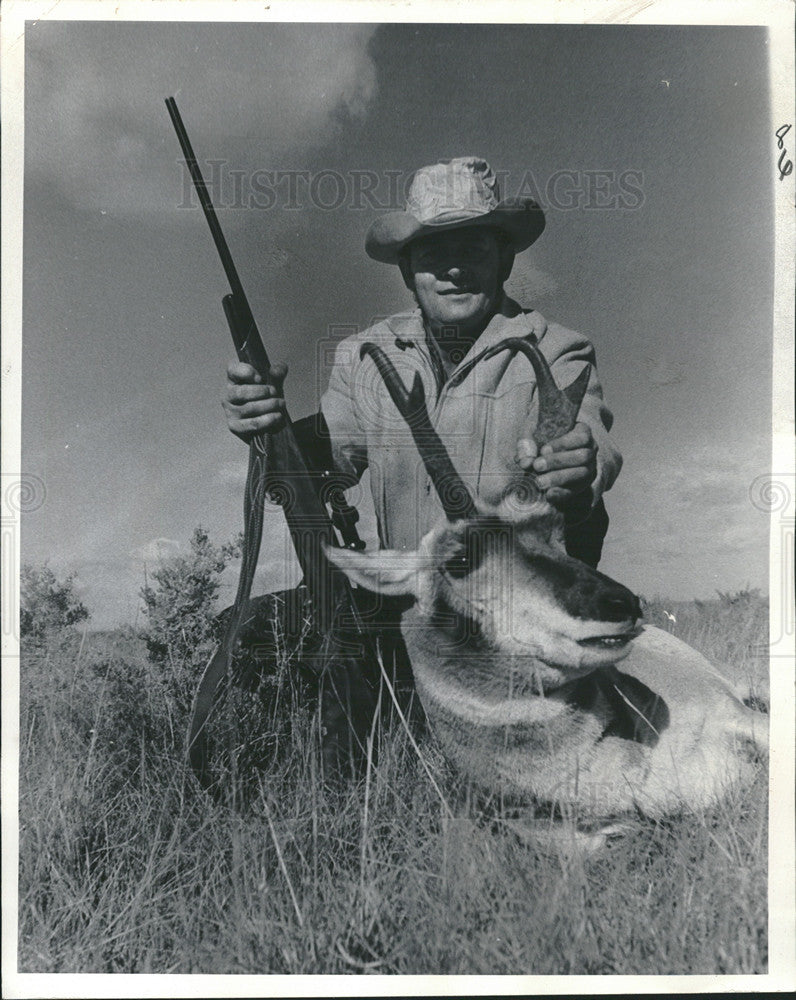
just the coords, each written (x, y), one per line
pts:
(181, 607)
(47, 605)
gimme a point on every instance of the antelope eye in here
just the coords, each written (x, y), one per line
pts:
(458, 567)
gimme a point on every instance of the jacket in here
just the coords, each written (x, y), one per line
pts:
(480, 413)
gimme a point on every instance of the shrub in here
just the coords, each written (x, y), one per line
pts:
(47, 605)
(180, 608)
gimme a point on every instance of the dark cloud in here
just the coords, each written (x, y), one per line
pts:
(97, 127)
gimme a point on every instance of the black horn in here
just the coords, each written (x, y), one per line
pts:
(558, 408)
(454, 496)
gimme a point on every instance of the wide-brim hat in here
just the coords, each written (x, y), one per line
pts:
(454, 194)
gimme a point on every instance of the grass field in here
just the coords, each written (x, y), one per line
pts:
(125, 866)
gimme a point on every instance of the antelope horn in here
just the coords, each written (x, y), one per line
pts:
(411, 404)
(558, 408)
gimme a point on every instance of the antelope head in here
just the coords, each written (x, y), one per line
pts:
(497, 580)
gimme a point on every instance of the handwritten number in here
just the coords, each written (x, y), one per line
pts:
(784, 165)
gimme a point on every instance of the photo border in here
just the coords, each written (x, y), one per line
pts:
(778, 17)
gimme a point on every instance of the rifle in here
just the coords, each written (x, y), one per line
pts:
(278, 465)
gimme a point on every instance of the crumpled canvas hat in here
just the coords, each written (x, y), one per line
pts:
(453, 194)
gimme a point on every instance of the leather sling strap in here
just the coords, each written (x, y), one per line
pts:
(313, 440)
(216, 675)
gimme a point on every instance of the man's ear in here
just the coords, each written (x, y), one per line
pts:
(406, 271)
(388, 571)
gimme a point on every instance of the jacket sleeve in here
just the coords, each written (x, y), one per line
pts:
(338, 406)
(567, 353)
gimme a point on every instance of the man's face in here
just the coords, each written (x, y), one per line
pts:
(456, 277)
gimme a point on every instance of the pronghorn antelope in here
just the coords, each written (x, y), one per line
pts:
(532, 668)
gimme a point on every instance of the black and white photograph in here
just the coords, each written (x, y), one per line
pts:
(398, 498)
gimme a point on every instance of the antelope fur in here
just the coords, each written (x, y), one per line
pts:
(498, 668)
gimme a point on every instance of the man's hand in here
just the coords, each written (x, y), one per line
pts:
(565, 467)
(250, 404)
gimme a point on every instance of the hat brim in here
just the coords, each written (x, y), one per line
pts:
(520, 218)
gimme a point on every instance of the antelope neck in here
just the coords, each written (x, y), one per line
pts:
(448, 634)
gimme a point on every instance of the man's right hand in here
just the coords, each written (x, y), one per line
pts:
(252, 405)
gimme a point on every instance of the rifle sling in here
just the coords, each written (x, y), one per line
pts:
(217, 670)
(212, 686)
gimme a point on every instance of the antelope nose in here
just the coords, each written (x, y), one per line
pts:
(617, 604)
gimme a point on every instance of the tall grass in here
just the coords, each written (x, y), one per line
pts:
(125, 866)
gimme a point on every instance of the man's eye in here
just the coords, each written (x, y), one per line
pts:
(465, 256)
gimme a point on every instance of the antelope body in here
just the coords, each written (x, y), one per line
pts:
(531, 667)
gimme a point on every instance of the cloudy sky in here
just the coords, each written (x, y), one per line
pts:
(648, 146)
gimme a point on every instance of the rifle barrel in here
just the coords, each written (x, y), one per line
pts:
(207, 204)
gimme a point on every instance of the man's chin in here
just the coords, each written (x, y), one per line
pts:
(465, 308)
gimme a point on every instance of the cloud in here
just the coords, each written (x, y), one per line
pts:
(705, 480)
(157, 549)
(97, 128)
(230, 475)
(689, 526)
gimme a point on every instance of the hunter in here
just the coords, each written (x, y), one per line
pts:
(455, 244)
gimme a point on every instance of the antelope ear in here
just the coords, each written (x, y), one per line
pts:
(389, 571)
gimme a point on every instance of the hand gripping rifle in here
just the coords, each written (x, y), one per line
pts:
(277, 466)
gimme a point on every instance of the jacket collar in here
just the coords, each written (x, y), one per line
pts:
(509, 320)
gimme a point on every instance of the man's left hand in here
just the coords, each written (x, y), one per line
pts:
(565, 467)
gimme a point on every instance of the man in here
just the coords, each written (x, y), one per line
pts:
(454, 244)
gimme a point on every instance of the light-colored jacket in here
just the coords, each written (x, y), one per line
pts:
(480, 413)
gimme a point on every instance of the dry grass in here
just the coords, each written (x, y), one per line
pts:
(126, 866)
